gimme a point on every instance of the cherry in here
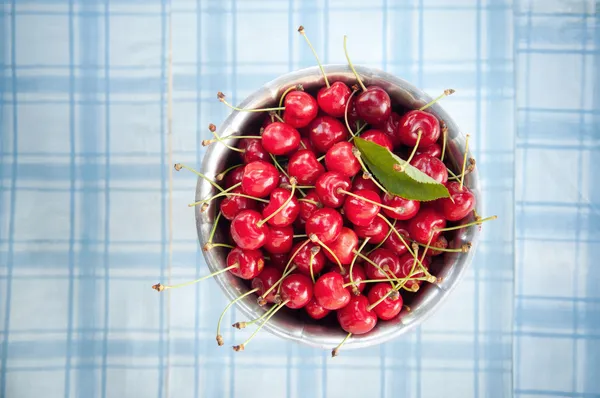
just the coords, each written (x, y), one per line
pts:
(390, 129)
(296, 290)
(441, 243)
(360, 212)
(356, 317)
(343, 247)
(332, 100)
(280, 138)
(325, 131)
(409, 207)
(286, 209)
(315, 311)
(461, 204)
(325, 224)
(377, 230)
(231, 205)
(330, 292)
(431, 166)
(259, 178)
(234, 177)
(423, 226)
(434, 150)
(246, 232)
(303, 256)
(378, 138)
(308, 206)
(407, 264)
(390, 306)
(386, 260)
(364, 183)
(305, 167)
(358, 276)
(250, 262)
(279, 240)
(328, 186)
(300, 109)
(417, 121)
(279, 260)
(253, 150)
(265, 280)
(340, 158)
(394, 243)
(373, 105)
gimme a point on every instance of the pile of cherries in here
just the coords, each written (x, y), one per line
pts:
(309, 226)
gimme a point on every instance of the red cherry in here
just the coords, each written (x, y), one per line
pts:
(327, 187)
(413, 122)
(279, 260)
(390, 129)
(250, 262)
(297, 290)
(265, 280)
(280, 138)
(315, 311)
(332, 100)
(356, 318)
(434, 150)
(421, 226)
(302, 258)
(325, 131)
(234, 177)
(407, 264)
(307, 208)
(360, 212)
(246, 232)
(374, 105)
(305, 167)
(378, 138)
(300, 109)
(285, 216)
(377, 231)
(409, 207)
(325, 224)
(231, 205)
(343, 246)
(340, 158)
(441, 243)
(259, 179)
(358, 276)
(431, 166)
(330, 292)
(394, 243)
(464, 202)
(390, 306)
(279, 240)
(253, 150)
(364, 183)
(386, 260)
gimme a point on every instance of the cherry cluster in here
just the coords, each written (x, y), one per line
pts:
(311, 229)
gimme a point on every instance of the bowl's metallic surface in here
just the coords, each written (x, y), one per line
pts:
(288, 326)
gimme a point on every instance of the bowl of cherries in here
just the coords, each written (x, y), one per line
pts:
(336, 206)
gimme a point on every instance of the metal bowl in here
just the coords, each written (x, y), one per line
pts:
(286, 324)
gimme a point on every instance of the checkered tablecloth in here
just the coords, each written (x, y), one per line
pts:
(100, 97)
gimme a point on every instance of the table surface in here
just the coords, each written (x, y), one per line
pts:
(99, 98)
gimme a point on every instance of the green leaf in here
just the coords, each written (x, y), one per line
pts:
(411, 183)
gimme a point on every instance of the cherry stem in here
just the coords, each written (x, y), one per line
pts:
(159, 288)
(316, 240)
(357, 134)
(276, 116)
(477, 222)
(447, 92)
(384, 239)
(310, 265)
(360, 249)
(221, 98)
(283, 205)
(355, 89)
(222, 245)
(402, 167)
(223, 191)
(444, 139)
(222, 174)
(213, 129)
(242, 346)
(301, 31)
(397, 210)
(229, 137)
(352, 66)
(334, 352)
(214, 228)
(260, 318)
(309, 201)
(219, 337)
(179, 166)
(462, 177)
(300, 236)
(356, 153)
(383, 280)
(464, 249)
(277, 284)
(297, 87)
(380, 269)
(227, 194)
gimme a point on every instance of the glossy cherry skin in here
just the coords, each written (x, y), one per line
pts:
(296, 290)
(287, 215)
(251, 262)
(385, 259)
(407, 208)
(245, 231)
(431, 166)
(305, 167)
(340, 158)
(265, 280)
(343, 247)
(330, 292)
(373, 105)
(423, 225)
(234, 176)
(279, 261)
(326, 224)
(279, 240)
(332, 100)
(413, 122)
(434, 150)
(358, 276)
(280, 138)
(253, 150)
(259, 179)
(360, 212)
(390, 129)
(364, 183)
(325, 131)
(464, 202)
(300, 109)
(376, 231)
(355, 317)
(307, 208)
(378, 138)
(231, 205)
(327, 187)
(389, 307)
(394, 243)
(408, 267)
(315, 311)
(302, 258)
